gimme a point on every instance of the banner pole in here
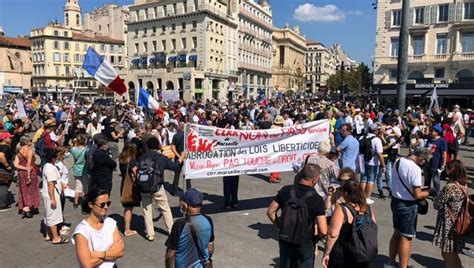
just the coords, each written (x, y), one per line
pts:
(186, 130)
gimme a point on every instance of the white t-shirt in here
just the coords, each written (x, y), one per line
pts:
(377, 148)
(395, 131)
(410, 173)
(349, 120)
(50, 174)
(98, 240)
(359, 123)
(288, 123)
(63, 171)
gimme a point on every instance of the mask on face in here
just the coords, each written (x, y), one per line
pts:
(182, 209)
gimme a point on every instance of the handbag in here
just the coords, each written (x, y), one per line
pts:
(6, 177)
(204, 262)
(422, 204)
(166, 151)
(127, 190)
(464, 222)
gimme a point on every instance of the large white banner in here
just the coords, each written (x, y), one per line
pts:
(21, 108)
(216, 152)
(170, 95)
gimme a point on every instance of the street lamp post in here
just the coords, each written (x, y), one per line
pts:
(402, 75)
(342, 81)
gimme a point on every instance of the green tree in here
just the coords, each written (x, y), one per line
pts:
(356, 80)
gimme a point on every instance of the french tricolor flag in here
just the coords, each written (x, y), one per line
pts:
(102, 71)
(147, 101)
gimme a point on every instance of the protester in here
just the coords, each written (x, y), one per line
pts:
(128, 171)
(78, 152)
(277, 123)
(451, 198)
(97, 240)
(177, 146)
(6, 169)
(349, 148)
(302, 254)
(406, 190)
(113, 137)
(158, 163)
(374, 162)
(438, 147)
(53, 215)
(340, 228)
(28, 190)
(104, 166)
(191, 241)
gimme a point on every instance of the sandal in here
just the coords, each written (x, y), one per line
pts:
(150, 238)
(130, 233)
(62, 241)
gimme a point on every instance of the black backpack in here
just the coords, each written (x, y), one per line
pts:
(149, 177)
(365, 147)
(294, 223)
(361, 242)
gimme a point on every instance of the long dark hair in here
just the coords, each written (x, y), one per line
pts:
(128, 153)
(457, 172)
(354, 194)
(91, 197)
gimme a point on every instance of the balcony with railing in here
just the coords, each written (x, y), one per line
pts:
(249, 66)
(255, 18)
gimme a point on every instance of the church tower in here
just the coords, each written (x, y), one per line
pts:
(72, 15)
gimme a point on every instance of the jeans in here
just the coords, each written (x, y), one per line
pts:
(231, 188)
(3, 196)
(468, 134)
(177, 175)
(371, 173)
(388, 177)
(432, 174)
(404, 216)
(297, 256)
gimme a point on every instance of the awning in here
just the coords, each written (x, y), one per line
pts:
(13, 90)
(160, 58)
(182, 57)
(135, 61)
(193, 58)
(144, 60)
(172, 58)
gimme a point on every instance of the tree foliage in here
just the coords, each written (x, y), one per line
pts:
(356, 80)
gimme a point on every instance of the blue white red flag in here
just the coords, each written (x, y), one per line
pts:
(103, 71)
(147, 101)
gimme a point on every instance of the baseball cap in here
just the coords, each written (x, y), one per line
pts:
(192, 197)
(438, 128)
(6, 135)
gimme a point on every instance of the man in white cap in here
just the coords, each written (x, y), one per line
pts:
(359, 123)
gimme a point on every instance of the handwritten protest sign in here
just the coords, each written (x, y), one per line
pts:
(215, 152)
(21, 108)
(170, 95)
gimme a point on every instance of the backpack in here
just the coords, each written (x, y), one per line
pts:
(365, 148)
(361, 242)
(294, 223)
(149, 178)
(464, 223)
(39, 147)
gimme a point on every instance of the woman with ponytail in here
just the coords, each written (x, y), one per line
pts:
(341, 227)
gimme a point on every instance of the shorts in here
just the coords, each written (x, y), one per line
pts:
(79, 186)
(371, 173)
(404, 216)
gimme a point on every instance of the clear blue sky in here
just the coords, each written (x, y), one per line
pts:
(348, 22)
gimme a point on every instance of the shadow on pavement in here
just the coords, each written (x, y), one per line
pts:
(424, 236)
(429, 227)
(265, 230)
(381, 260)
(247, 204)
(260, 177)
(427, 261)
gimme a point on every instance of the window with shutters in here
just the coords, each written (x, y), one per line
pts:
(443, 13)
(467, 42)
(394, 47)
(441, 44)
(418, 44)
(419, 15)
(396, 17)
(469, 11)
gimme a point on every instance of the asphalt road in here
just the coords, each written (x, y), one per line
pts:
(244, 237)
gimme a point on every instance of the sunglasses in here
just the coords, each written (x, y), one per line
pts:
(102, 205)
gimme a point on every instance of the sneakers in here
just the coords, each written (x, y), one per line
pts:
(468, 252)
(369, 201)
(381, 195)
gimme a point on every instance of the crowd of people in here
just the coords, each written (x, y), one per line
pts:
(334, 187)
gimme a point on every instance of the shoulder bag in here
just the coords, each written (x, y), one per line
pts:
(422, 204)
(204, 262)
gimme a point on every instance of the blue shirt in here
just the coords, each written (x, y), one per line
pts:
(349, 151)
(437, 148)
(338, 126)
(182, 241)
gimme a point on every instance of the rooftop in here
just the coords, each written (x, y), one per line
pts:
(15, 42)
